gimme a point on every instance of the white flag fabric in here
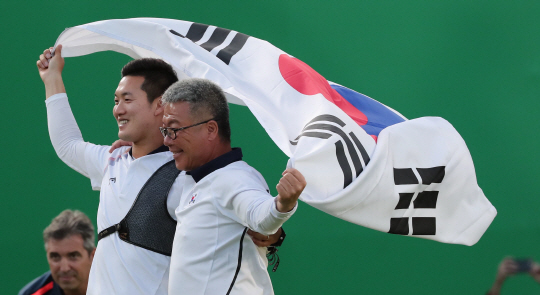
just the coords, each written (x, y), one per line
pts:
(363, 162)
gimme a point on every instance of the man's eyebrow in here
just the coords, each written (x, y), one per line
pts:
(54, 254)
(74, 252)
(171, 121)
(122, 94)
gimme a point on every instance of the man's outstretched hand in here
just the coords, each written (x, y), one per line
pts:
(119, 143)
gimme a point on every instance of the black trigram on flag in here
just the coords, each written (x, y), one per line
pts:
(197, 31)
(423, 200)
(319, 127)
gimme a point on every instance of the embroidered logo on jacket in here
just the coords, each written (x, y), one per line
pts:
(192, 198)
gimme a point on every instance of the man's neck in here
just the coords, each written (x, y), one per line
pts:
(138, 151)
(144, 147)
(219, 150)
(78, 291)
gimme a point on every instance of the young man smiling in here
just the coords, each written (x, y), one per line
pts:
(120, 266)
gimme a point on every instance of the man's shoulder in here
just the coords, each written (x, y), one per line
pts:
(122, 154)
(238, 172)
(117, 153)
(43, 284)
(239, 167)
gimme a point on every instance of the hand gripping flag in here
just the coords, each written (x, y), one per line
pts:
(363, 162)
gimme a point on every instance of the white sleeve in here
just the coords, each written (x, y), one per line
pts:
(88, 159)
(244, 198)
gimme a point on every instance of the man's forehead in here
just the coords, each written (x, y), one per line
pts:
(172, 120)
(176, 111)
(68, 244)
(130, 82)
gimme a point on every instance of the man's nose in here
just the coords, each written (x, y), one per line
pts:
(64, 265)
(167, 141)
(119, 109)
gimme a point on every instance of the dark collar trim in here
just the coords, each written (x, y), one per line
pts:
(217, 163)
(160, 149)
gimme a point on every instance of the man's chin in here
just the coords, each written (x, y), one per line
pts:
(124, 136)
(180, 165)
(68, 284)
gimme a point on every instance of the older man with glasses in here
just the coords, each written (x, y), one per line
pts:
(223, 196)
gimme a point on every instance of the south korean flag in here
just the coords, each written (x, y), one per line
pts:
(363, 162)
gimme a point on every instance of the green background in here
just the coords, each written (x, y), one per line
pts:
(474, 63)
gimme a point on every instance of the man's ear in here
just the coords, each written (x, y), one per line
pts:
(159, 107)
(92, 254)
(212, 128)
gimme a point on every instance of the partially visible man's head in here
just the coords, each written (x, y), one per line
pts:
(190, 102)
(137, 109)
(69, 243)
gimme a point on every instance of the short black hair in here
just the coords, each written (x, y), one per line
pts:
(158, 75)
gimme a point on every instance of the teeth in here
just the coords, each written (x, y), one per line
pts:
(123, 121)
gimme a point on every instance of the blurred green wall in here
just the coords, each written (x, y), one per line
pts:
(475, 63)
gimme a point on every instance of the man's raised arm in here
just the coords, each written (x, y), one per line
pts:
(64, 132)
(256, 208)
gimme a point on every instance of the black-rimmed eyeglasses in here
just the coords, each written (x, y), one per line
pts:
(171, 132)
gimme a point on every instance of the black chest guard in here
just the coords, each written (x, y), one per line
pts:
(148, 224)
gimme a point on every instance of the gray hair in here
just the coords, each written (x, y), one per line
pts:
(204, 97)
(70, 223)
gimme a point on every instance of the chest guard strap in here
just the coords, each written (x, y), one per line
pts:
(148, 223)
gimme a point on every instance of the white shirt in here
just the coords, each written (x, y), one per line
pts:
(118, 267)
(220, 200)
